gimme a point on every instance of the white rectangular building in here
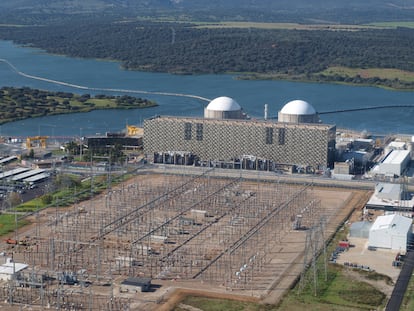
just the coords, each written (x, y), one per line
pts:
(391, 232)
(10, 269)
(391, 197)
(394, 163)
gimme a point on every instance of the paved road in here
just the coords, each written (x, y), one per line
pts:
(400, 287)
(265, 175)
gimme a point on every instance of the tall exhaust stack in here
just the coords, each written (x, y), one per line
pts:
(265, 111)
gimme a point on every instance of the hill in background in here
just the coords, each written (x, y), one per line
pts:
(351, 11)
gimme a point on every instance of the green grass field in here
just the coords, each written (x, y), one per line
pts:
(392, 24)
(8, 223)
(386, 73)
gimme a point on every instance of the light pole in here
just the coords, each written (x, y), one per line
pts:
(80, 143)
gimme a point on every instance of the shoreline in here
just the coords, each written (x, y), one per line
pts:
(25, 103)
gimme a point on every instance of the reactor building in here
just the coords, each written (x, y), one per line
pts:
(226, 138)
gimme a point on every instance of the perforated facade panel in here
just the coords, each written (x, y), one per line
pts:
(297, 144)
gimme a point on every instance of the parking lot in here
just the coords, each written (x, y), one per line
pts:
(379, 260)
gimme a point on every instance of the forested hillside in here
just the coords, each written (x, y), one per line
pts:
(251, 4)
(136, 34)
(183, 48)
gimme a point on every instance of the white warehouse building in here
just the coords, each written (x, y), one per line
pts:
(390, 232)
(394, 163)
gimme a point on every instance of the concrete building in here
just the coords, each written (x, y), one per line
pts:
(113, 139)
(360, 158)
(391, 232)
(253, 144)
(135, 285)
(363, 144)
(223, 108)
(394, 163)
(344, 168)
(298, 111)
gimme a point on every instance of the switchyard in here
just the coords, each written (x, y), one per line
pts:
(231, 234)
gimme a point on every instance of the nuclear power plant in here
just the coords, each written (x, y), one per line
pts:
(253, 234)
(227, 138)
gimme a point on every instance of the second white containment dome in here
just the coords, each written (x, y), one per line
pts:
(223, 108)
(298, 111)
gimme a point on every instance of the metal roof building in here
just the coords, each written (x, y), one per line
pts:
(360, 229)
(8, 159)
(391, 197)
(13, 172)
(391, 232)
(36, 178)
(394, 163)
(27, 174)
(10, 268)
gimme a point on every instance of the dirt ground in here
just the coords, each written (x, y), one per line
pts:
(342, 202)
(286, 264)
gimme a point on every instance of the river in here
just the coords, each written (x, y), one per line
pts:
(251, 95)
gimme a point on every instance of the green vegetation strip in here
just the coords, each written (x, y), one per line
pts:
(8, 223)
(395, 24)
(68, 190)
(408, 301)
(210, 304)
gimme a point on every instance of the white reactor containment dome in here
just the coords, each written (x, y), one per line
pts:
(298, 111)
(223, 108)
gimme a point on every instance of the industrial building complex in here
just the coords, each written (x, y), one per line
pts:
(230, 141)
(216, 207)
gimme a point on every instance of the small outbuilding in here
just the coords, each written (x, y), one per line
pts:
(135, 285)
(11, 269)
(391, 232)
(360, 229)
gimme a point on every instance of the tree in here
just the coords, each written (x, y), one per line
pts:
(14, 199)
(47, 199)
(72, 147)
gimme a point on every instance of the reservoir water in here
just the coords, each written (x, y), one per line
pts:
(251, 95)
